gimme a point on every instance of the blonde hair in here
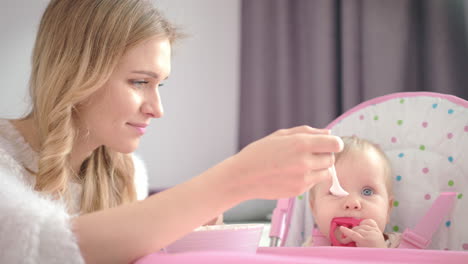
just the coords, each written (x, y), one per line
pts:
(78, 45)
(356, 143)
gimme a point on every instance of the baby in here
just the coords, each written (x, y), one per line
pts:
(365, 173)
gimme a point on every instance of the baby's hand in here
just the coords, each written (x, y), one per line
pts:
(366, 234)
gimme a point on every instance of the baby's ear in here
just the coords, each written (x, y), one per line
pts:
(311, 199)
(390, 207)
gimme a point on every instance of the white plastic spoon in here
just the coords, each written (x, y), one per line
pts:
(336, 188)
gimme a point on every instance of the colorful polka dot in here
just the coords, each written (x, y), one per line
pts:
(449, 135)
(396, 228)
(434, 106)
(427, 197)
(450, 111)
(425, 170)
(451, 183)
(460, 196)
(400, 122)
(424, 124)
(450, 159)
(398, 178)
(465, 246)
(422, 147)
(361, 117)
(402, 101)
(300, 197)
(376, 117)
(401, 155)
(466, 128)
(396, 203)
(448, 223)
(394, 139)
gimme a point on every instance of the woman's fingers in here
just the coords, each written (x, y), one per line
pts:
(320, 161)
(287, 162)
(315, 176)
(301, 130)
(320, 143)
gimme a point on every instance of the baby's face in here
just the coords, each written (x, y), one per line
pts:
(362, 175)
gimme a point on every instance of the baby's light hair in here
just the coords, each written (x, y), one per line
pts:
(356, 143)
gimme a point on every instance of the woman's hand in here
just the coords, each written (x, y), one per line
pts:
(366, 234)
(285, 163)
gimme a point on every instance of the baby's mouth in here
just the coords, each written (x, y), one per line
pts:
(336, 235)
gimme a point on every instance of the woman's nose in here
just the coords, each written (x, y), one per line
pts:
(352, 203)
(152, 105)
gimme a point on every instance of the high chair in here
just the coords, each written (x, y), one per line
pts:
(425, 136)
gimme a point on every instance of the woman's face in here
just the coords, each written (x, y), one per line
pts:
(117, 114)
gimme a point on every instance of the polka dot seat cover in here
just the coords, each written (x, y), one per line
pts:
(425, 136)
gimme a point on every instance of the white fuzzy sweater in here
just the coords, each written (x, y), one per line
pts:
(33, 227)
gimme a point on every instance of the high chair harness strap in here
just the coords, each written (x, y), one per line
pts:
(421, 236)
(319, 239)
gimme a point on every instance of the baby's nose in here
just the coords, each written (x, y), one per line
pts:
(352, 203)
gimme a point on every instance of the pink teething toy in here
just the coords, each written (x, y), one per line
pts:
(348, 222)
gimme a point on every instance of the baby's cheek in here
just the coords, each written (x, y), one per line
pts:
(323, 222)
(381, 222)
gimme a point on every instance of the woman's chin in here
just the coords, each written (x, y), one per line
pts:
(126, 148)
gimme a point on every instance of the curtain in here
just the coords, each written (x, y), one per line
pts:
(308, 61)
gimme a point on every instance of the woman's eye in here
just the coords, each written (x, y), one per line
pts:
(140, 83)
(160, 84)
(367, 191)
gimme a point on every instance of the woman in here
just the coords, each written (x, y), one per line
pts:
(69, 181)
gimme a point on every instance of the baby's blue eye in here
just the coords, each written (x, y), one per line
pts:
(367, 191)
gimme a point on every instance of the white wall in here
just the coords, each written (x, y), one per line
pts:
(200, 98)
(17, 32)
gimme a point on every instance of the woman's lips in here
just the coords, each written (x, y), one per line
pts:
(140, 128)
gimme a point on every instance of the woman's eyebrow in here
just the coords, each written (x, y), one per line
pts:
(150, 73)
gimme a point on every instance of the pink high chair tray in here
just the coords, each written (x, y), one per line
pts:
(311, 255)
(236, 237)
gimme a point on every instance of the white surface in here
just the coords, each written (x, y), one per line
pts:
(265, 239)
(200, 98)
